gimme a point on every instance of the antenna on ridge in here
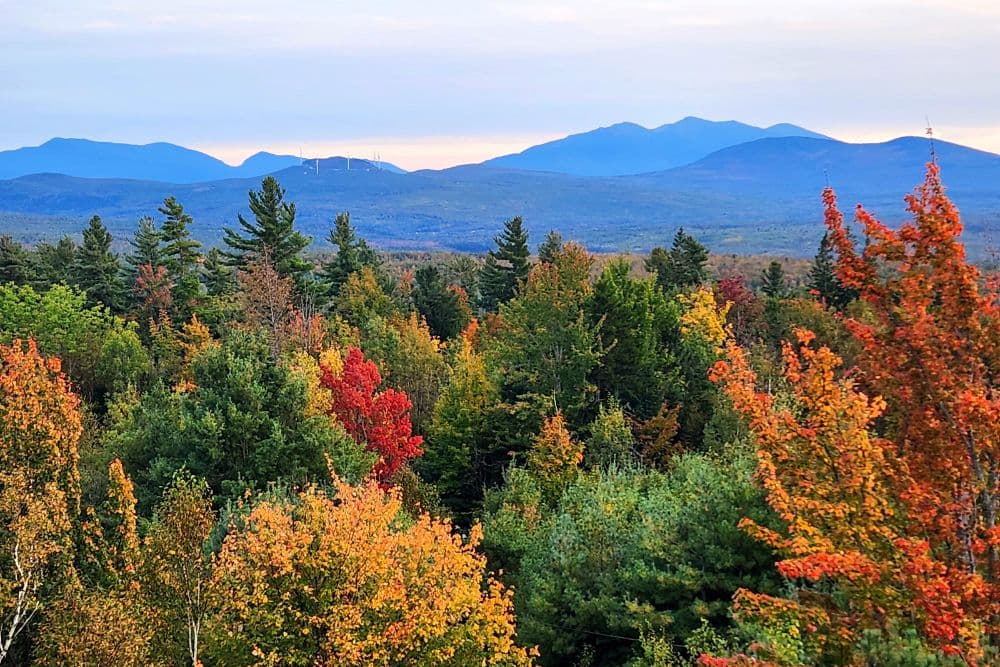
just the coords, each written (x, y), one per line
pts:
(930, 135)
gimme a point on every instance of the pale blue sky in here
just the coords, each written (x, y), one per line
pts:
(438, 82)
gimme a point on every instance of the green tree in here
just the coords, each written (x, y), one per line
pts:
(639, 333)
(506, 266)
(773, 282)
(682, 266)
(438, 304)
(15, 266)
(271, 232)
(610, 440)
(181, 254)
(219, 278)
(549, 249)
(53, 264)
(146, 245)
(823, 281)
(353, 253)
(96, 269)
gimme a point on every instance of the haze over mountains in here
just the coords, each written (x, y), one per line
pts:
(744, 190)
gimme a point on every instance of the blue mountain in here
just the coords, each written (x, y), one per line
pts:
(627, 148)
(152, 162)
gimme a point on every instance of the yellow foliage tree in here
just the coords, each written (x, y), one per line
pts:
(555, 457)
(346, 580)
(702, 317)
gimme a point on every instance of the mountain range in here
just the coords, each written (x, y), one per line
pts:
(760, 195)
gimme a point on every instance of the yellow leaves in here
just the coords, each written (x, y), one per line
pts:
(358, 586)
(555, 457)
(701, 317)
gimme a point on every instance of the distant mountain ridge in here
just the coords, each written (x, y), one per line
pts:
(627, 148)
(159, 161)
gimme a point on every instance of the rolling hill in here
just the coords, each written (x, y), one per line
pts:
(627, 148)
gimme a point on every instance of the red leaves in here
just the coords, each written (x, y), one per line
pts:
(378, 420)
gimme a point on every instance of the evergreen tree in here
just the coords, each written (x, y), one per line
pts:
(97, 270)
(353, 253)
(823, 280)
(14, 262)
(145, 244)
(272, 231)
(550, 248)
(773, 281)
(180, 254)
(438, 304)
(53, 264)
(218, 276)
(683, 266)
(505, 266)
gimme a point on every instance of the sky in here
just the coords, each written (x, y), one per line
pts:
(441, 82)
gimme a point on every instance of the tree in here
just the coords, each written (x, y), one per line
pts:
(146, 245)
(549, 249)
(379, 420)
(506, 266)
(773, 282)
(177, 563)
(15, 266)
(272, 231)
(180, 253)
(96, 269)
(353, 253)
(439, 305)
(338, 579)
(554, 458)
(683, 266)
(823, 281)
(220, 280)
(53, 264)
(40, 428)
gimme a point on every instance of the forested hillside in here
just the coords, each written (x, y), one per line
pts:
(240, 456)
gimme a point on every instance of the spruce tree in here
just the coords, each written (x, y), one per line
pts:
(180, 255)
(439, 305)
(218, 276)
(683, 266)
(146, 246)
(272, 233)
(353, 253)
(506, 266)
(97, 270)
(53, 264)
(15, 266)
(550, 248)
(772, 281)
(823, 280)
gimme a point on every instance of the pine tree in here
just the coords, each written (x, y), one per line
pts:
(438, 304)
(353, 253)
(823, 280)
(272, 232)
(683, 266)
(97, 270)
(773, 281)
(219, 278)
(506, 266)
(146, 245)
(14, 264)
(550, 248)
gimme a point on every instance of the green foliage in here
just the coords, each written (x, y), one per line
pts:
(682, 266)
(123, 361)
(220, 280)
(550, 248)
(15, 266)
(439, 305)
(53, 264)
(627, 551)
(242, 425)
(146, 244)
(823, 281)
(97, 270)
(893, 648)
(180, 255)
(610, 440)
(773, 282)
(506, 266)
(353, 253)
(271, 233)
(639, 333)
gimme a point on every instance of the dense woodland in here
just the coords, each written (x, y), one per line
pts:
(240, 456)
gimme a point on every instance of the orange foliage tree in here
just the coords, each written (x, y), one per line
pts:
(344, 580)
